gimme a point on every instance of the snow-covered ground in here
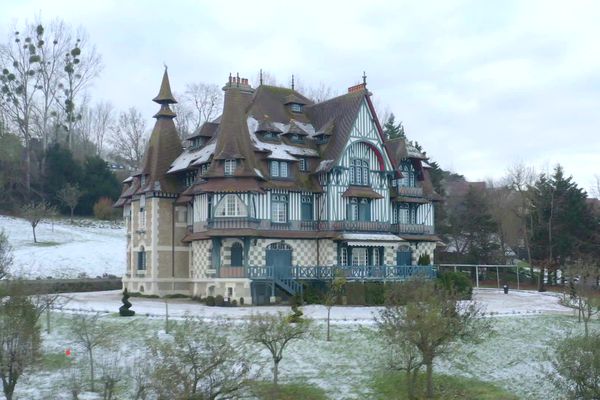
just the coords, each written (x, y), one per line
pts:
(66, 251)
(527, 325)
(496, 303)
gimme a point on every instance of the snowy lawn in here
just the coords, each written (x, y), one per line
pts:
(64, 250)
(527, 324)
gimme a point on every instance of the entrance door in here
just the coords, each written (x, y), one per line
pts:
(279, 256)
(404, 256)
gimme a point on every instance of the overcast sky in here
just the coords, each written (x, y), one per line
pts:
(481, 85)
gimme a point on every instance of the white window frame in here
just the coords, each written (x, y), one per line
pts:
(375, 256)
(231, 205)
(230, 166)
(360, 256)
(344, 256)
(303, 164)
(279, 205)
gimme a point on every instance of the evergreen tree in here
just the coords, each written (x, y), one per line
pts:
(61, 170)
(562, 223)
(98, 181)
(472, 229)
(393, 130)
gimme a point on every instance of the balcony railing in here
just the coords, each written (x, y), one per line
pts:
(233, 223)
(418, 229)
(360, 272)
(410, 191)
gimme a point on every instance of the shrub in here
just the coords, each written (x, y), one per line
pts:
(210, 301)
(241, 301)
(314, 292)
(424, 259)
(219, 300)
(355, 293)
(104, 210)
(234, 303)
(374, 293)
(457, 282)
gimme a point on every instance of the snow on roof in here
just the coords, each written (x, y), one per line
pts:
(258, 173)
(323, 165)
(383, 237)
(412, 151)
(192, 157)
(129, 179)
(278, 151)
(425, 165)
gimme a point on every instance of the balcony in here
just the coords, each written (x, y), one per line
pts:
(233, 223)
(410, 191)
(418, 229)
(361, 226)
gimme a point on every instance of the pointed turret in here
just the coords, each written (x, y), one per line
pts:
(164, 145)
(164, 94)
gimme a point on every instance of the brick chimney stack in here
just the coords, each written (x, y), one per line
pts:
(357, 88)
(239, 83)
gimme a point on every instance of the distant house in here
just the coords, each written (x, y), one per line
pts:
(275, 191)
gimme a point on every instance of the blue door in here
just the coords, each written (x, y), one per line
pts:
(404, 256)
(279, 257)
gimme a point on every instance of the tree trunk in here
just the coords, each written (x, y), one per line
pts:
(275, 372)
(429, 366)
(48, 318)
(410, 383)
(72, 209)
(91, 370)
(34, 238)
(541, 287)
(328, 323)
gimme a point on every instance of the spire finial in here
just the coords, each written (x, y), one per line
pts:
(165, 96)
(165, 65)
(261, 78)
(292, 81)
(364, 78)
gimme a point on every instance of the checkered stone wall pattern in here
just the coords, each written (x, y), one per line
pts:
(304, 252)
(201, 251)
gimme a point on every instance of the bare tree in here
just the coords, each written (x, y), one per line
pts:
(430, 319)
(19, 80)
(198, 362)
(319, 93)
(582, 279)
(264, 78)
(70, 195)
(336, 287)
(19, 338)
(205, 100)
(102, 120)
(51, 71)
(520, 178)
(275, 332)
(596, 186)
(128, 137)
(35, 213)
(6, 255)
(88, 332)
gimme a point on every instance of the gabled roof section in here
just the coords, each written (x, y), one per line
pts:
(336, 116)
(269, 104)
(207, 129)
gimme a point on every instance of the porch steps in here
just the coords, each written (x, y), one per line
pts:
(290, 285)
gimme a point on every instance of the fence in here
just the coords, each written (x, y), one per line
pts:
(483, 269)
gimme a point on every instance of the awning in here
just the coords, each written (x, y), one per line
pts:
(407, 199)
(360, 191)
(370, 239)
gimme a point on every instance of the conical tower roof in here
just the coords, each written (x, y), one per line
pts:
(164, 94)
(164, 145)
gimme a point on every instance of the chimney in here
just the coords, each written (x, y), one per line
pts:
(357, 88)
(236, 82)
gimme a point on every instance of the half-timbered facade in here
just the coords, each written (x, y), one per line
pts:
(275, 191)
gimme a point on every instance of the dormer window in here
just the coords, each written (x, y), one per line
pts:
(270, 136)
(321, 139)
(296, 107)
(230, 167)
(279, 169)
(204, 168)
(303, 165)
(297, 138)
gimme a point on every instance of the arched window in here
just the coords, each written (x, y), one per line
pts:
(237, 252)
(231, 206)
(359, 172)
(279, 246)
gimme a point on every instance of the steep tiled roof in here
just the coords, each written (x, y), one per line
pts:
(338, 115)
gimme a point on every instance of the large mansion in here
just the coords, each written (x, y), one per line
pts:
(275, 191)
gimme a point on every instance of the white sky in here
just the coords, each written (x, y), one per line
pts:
(480, 84)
